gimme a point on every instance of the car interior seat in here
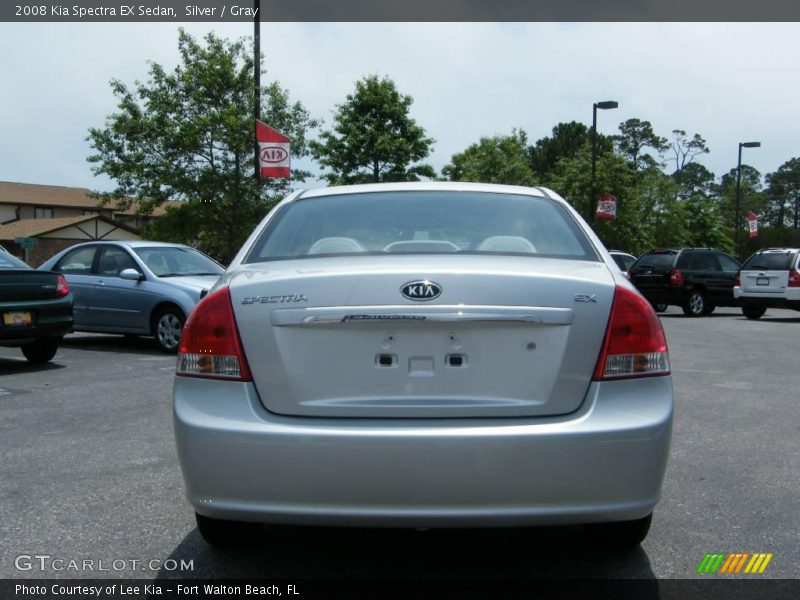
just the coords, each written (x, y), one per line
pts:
(335, 245)
(507, 243)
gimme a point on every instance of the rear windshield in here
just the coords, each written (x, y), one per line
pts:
(770, 261)
(421, 222)
(657, 260)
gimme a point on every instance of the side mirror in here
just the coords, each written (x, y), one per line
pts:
(131, 275)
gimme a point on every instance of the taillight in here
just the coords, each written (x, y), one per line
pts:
(210, 344)
(676, 277)
(738, 281)
(794, 278)
(62, 288)
(635, 345)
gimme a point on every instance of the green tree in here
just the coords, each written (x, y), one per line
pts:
(566, 141)
(498, 159)
(635, 138)
(374, 139)
(695, 180)
(188, 135)
(752, 197)
(570, 178)
(783, 194)
(704, 221)
(685, 149)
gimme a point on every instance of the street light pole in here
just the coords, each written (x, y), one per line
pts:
(608, 104)
(737, 218)
(257, 82)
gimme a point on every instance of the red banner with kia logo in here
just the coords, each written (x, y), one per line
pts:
(752, 223)
(607, 207)
(274, 154)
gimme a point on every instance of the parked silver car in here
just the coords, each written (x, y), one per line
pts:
(135, 287)
(423, 355)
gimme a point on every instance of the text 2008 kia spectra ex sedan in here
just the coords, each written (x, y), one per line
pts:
(423, 355)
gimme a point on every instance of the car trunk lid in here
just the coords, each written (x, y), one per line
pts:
(507, 336)
(25, 284)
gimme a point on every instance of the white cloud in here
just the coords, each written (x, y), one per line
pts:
(728, 82)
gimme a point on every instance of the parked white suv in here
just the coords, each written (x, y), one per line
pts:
(769, 279)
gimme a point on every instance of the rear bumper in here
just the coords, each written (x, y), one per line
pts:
(789, 298)
(605, 462)
(51, 318)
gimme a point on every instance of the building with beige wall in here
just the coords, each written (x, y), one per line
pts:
(62, 216)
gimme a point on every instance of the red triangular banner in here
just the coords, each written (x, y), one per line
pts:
(274, 152)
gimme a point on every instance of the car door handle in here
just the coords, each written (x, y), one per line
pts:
(100, 282)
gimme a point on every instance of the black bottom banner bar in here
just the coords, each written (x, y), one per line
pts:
(539, 589)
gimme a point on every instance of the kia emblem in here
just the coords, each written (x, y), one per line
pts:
(421, 290)
(273, 154)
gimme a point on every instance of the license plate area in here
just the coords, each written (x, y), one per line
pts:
(419, 364)
(762, 281)
(17, 318)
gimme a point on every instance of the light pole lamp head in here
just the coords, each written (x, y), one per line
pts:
(750, 144)
(607, 104)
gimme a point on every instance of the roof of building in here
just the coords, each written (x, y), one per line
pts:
(36, 227)
(68, 197)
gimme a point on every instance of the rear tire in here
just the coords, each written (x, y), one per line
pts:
(42, 350)
(659, 308)
(622, 534)
(695, 306)
(226, 534)
(709, 309)
(753, 312)
(168, 327)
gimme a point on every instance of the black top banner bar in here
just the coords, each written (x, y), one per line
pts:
(179, 11)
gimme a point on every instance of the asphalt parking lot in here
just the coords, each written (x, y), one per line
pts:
(89, 471)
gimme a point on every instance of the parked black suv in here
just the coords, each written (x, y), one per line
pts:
(696, 279)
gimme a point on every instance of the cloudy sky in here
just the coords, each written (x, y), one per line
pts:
(728, 82)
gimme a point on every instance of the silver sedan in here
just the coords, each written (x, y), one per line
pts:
(135, 287)
(423, 355)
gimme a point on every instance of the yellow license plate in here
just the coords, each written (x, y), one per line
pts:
(17, 318)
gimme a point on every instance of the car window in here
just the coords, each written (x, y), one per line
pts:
(656, 260)
(728, 264)
(11, 262)
(421, 222)
(623, 262)
(113, 261)
(769, 261)
(705, 261)
(685, 259)
(78, 261)
(174, 261)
